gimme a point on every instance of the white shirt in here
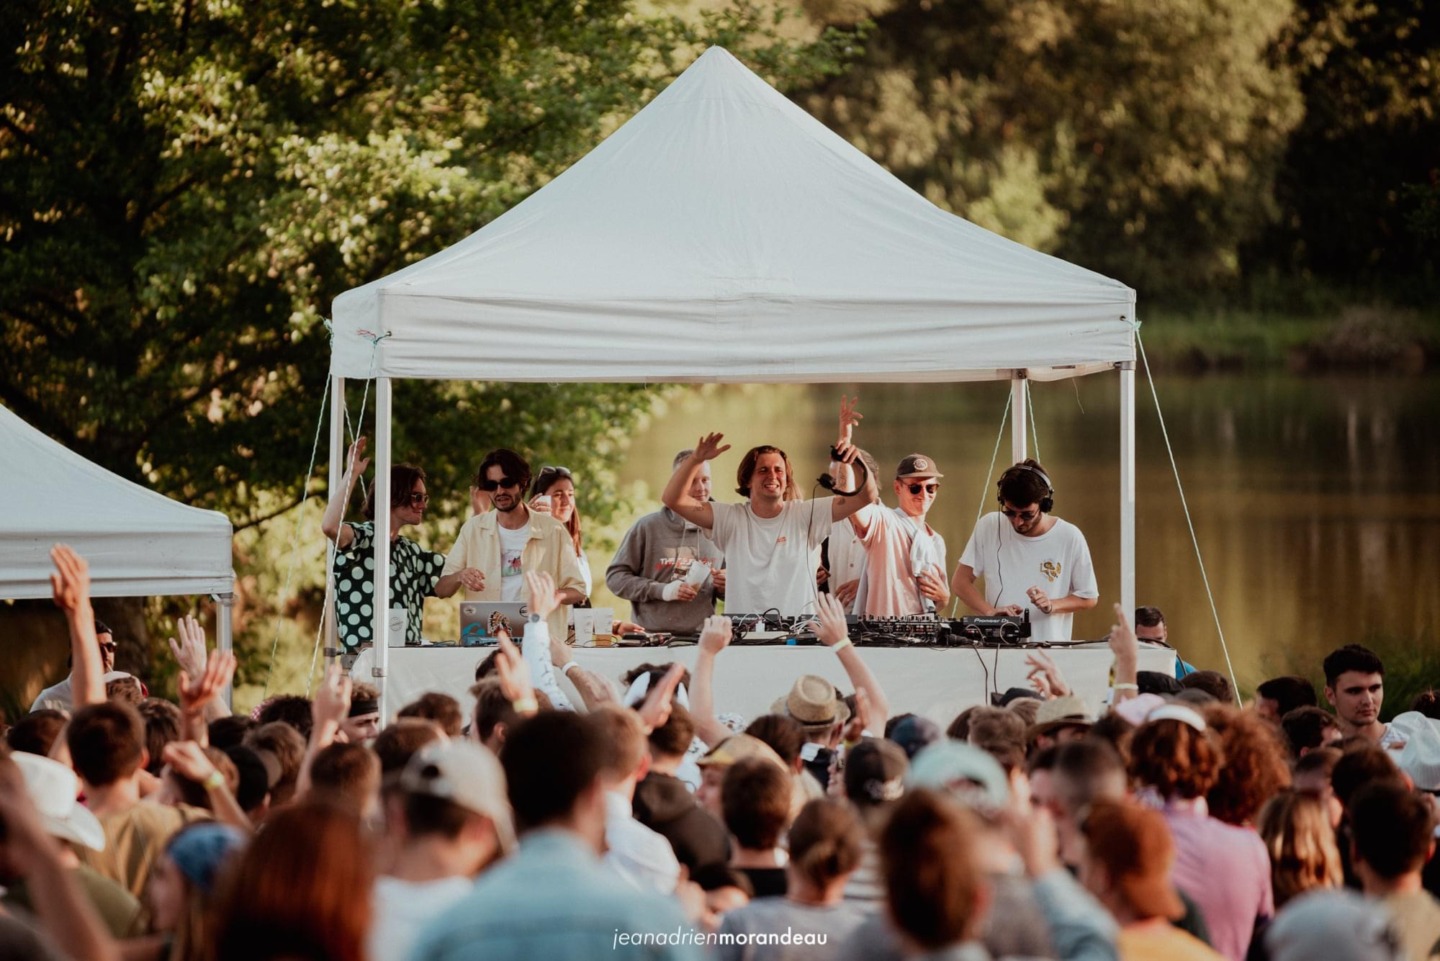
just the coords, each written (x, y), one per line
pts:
(403, 909)
(1058, 562)
(512, 579)
(639, 855)
(770, 562)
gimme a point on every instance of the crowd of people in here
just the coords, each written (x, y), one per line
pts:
(641, 819)
(572, 815)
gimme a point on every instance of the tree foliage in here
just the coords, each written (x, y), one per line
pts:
(1359, 181)
(185, 185)
(1136, 138)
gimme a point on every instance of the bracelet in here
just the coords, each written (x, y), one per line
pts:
(569, 664)
(525, 705)
(1125, 686)
(215, 781)
(841, 644)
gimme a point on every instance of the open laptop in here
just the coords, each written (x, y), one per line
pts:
(480, 619)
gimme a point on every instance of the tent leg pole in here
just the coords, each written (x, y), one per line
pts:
(1127, 488)
(337, 480)
(225, 634)
(381, 632)
(1019, 416)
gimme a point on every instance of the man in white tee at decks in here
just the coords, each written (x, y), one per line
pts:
(772, 541)
(1028, 557)
(498, 547)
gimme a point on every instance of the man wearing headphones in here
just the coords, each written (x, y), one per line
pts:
(1028, 557)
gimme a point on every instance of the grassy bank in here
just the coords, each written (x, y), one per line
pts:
(1351, 336)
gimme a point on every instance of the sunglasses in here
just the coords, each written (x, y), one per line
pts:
(927, 488)
(418, 500)
(108, 647)
(491, 485)
(1026, 516)
(548, 472)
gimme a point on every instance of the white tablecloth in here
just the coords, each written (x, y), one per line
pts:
(748, 680)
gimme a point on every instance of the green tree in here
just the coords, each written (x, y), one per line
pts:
(1138, 139)
(185, 185)
(1358, 183)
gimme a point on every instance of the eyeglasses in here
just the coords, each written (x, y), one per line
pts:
(1026, 516)
(109, 647)
(417, 499)
(490, 485)
(927, 488)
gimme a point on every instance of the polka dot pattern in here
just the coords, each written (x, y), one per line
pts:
(414, 572)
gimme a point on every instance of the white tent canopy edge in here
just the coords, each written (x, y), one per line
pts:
(137, 543)
(723, 235)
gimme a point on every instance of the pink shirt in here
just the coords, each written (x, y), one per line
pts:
(1225, 870)
(889, 585)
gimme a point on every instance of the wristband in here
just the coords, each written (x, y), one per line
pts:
(1125, 686)
(841, 644)
(569, 664)
(215, 781)
(526, 705)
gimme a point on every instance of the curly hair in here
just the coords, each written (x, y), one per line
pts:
(1175, 759)
(1255, 766)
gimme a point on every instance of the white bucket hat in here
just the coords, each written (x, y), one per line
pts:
(53, 787)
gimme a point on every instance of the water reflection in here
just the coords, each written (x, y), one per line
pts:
(1314, 499)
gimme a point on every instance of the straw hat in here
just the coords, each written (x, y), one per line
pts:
(814, 702)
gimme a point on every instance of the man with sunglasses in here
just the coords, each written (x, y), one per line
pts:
(495, 549)
(1029, 558)
(904, 573)
(61, 697)
(414, 571)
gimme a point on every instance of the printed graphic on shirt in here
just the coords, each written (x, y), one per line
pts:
(1051, 569)
(675, 563)
(510, 564)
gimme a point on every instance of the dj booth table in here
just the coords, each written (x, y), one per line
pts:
(935, 682)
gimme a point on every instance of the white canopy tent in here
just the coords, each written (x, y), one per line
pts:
(725, 235)
(137, 542)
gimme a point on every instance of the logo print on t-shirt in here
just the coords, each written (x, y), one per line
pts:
(1051, 569)
(510, 564)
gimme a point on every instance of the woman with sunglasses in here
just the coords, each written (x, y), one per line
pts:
(415, 573)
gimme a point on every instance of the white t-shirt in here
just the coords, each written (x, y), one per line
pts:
(846, 555)
(512, 577)
(403, 909)
(1058, 562)
(771, 562)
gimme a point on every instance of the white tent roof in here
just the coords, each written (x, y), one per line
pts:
(137, 542)
(723, 234)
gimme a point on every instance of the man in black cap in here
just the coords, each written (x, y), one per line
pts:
(904, 556)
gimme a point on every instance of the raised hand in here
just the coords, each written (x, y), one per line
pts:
(658, 700)
(214, 677)
(1121, 638)
(356, 462)
(709, 447)
(1045, 676)
(70, 584)
(829, 622)
(190, 653)
(332, 701)
(543, 596)
(849, 419)
(188, 759)
(514, 675)
(716, 634)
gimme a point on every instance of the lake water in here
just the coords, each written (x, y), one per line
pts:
(1315, 499)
